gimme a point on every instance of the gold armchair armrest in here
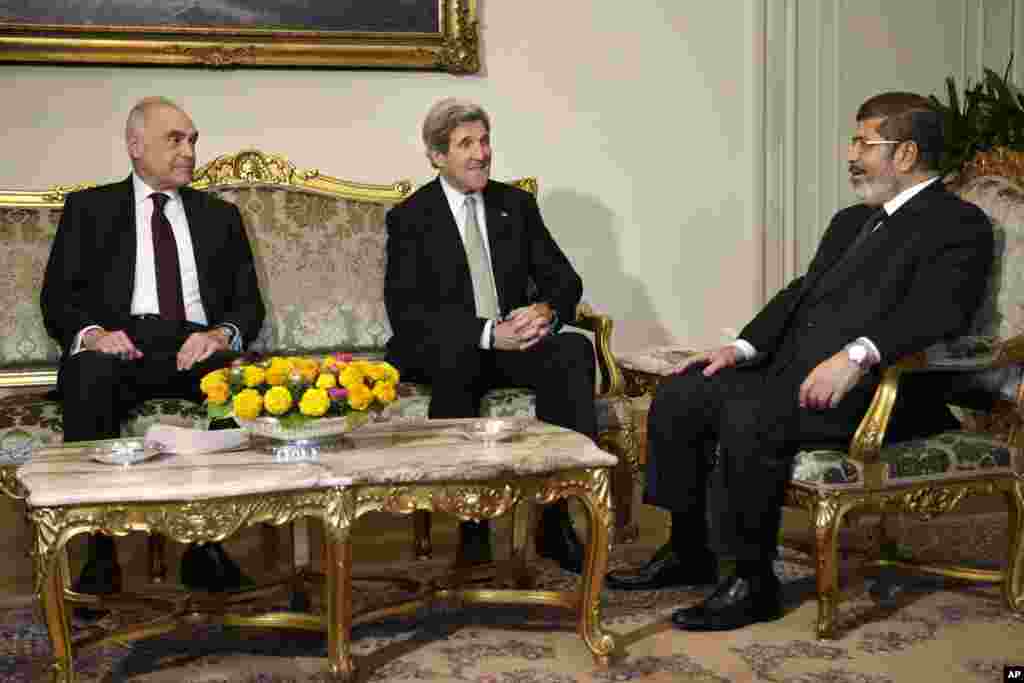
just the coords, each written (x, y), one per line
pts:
(601, 325)
(867, 440)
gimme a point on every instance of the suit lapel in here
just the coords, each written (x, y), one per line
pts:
(446, 242)
(123, 221)
(886, 237)
(202, 249)
(498, 225)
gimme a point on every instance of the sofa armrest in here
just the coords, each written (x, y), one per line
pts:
(28, 377)
(601, 326)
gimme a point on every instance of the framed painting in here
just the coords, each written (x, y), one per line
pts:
(394, 34)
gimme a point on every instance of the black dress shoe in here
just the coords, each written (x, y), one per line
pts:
(207, 567)
(101, 575)
(665, 569)
(557, 539)
(474, 543)
(737, 602)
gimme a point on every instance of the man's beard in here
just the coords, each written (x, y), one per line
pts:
(875, 191)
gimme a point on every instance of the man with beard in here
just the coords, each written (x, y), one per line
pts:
(149, 286)
(476, 289)
(893, 275)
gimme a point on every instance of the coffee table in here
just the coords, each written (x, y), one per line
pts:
(394, 468)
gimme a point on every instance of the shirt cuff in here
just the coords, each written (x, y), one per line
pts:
(485, 336)
(78, 345)
(746, 349)
(873, 352)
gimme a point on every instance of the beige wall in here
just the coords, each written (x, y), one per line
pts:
(689, 153)
(633, 114)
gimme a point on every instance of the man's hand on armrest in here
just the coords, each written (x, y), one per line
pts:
(829, 382)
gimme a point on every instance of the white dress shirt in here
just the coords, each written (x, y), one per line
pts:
(457, 203)
(747, 350)
(144, 294)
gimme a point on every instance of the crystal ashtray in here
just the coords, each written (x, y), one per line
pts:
(491, 430)
(125, 451)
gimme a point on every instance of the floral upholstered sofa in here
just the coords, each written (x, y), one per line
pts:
(319, 249)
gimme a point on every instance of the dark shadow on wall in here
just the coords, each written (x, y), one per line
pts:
(584, 228)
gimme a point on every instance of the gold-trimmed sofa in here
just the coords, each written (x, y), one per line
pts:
(319, 248)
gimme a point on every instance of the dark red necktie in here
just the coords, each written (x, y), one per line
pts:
(165, 257)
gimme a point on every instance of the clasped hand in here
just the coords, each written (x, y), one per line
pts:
(523, 327)
(198, 347)
(824, 387)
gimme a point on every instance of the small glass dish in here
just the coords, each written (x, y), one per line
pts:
(125, 451)
(491, 430)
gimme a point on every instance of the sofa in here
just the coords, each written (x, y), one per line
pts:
(319, 247)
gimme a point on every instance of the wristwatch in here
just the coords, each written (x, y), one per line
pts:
(229, 331)
(859, 355)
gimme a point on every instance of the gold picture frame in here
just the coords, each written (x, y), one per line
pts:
(453, 47)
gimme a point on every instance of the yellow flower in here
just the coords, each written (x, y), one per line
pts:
(217, 393)
(254, 376)
(359, 396)
(390, 372)
(215, 377)
(384, 392)
(329, 364)
(308, 368)
(314, 402)
(277, 400)
(248, 404)
(277, 373)
(326, 381)
(351, 375)
(375, 371)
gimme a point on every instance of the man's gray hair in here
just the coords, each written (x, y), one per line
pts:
(137, 116)
(445, 116)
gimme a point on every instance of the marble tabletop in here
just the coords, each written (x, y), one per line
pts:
(421, 452)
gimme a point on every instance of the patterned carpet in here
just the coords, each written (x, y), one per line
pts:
(911, 628)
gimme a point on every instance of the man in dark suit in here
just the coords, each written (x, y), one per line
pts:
(476, 290)
(905, 269)
(149, 285)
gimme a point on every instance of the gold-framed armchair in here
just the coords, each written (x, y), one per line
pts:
(931, 476)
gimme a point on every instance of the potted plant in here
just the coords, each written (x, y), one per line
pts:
(984, 127)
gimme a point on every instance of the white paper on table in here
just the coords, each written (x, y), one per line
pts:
(186, 441)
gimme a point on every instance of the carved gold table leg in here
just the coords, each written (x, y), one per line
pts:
(339, 607)
(1013, 581)
(597, 503)
(55, 612)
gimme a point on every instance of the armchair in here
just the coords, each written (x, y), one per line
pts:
(931, 476)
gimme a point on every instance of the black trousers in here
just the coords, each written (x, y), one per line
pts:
(721, 449)
(99, 389)
(559, 370)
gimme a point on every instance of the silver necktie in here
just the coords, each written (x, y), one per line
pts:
(484, 294)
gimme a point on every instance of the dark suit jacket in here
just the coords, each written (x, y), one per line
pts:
(428, 289)
(918, 279)
(90, 275)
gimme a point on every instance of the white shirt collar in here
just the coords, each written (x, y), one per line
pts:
(456, 198)
(903, 197)
(143, 191)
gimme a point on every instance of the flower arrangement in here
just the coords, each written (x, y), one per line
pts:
(299, 389)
